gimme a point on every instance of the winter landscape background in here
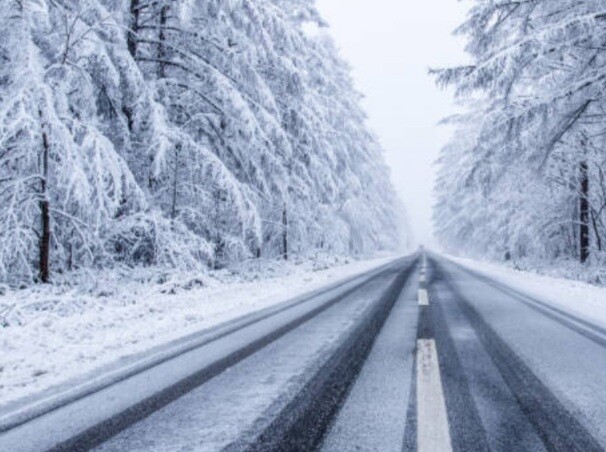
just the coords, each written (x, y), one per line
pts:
(168, 165)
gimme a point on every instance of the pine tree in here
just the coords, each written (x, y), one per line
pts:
(536, 79)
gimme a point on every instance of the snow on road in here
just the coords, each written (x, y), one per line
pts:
(373, 417)
(581, 299)
(53, 335)
(232, 406)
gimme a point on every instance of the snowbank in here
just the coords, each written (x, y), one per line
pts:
(52, 334)
(581, 299)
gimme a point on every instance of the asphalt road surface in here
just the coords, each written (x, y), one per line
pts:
(421, 354)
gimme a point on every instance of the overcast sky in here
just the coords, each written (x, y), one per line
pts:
(390, 45)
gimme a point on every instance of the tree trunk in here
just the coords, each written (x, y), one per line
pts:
(584, 213)
(596, 231)
(130, 121)
(284, 233)
(44, 251)
(161, 72)
(173, 209)
(131, 41)
(133, 27)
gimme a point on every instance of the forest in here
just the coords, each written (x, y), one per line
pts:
(523, 177)
(184, 134)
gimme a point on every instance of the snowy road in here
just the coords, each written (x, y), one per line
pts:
(421, 355)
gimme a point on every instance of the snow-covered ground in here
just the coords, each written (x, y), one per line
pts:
(578, 298)
(51, 334)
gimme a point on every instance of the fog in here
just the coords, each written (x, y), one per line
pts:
(391, 44)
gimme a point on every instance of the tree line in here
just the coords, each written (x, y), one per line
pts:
(523, 176)
(183, 134)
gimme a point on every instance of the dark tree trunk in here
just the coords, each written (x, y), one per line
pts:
(284, 234)
(45, 242)
(130, 122)
(44, 251)
(161, 72)
(133, 26)
(584, 213)
(175, 188)
(131, 41)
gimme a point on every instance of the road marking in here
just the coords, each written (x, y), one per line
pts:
(422, 278)
(423, 298)
(432, 420)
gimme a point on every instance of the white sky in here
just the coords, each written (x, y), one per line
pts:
(390, 45)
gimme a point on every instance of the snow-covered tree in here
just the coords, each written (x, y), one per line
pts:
(180, 133)
(61, 179)
(524, 174)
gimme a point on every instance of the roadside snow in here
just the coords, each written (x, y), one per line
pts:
(50, 335)
(580, 299)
